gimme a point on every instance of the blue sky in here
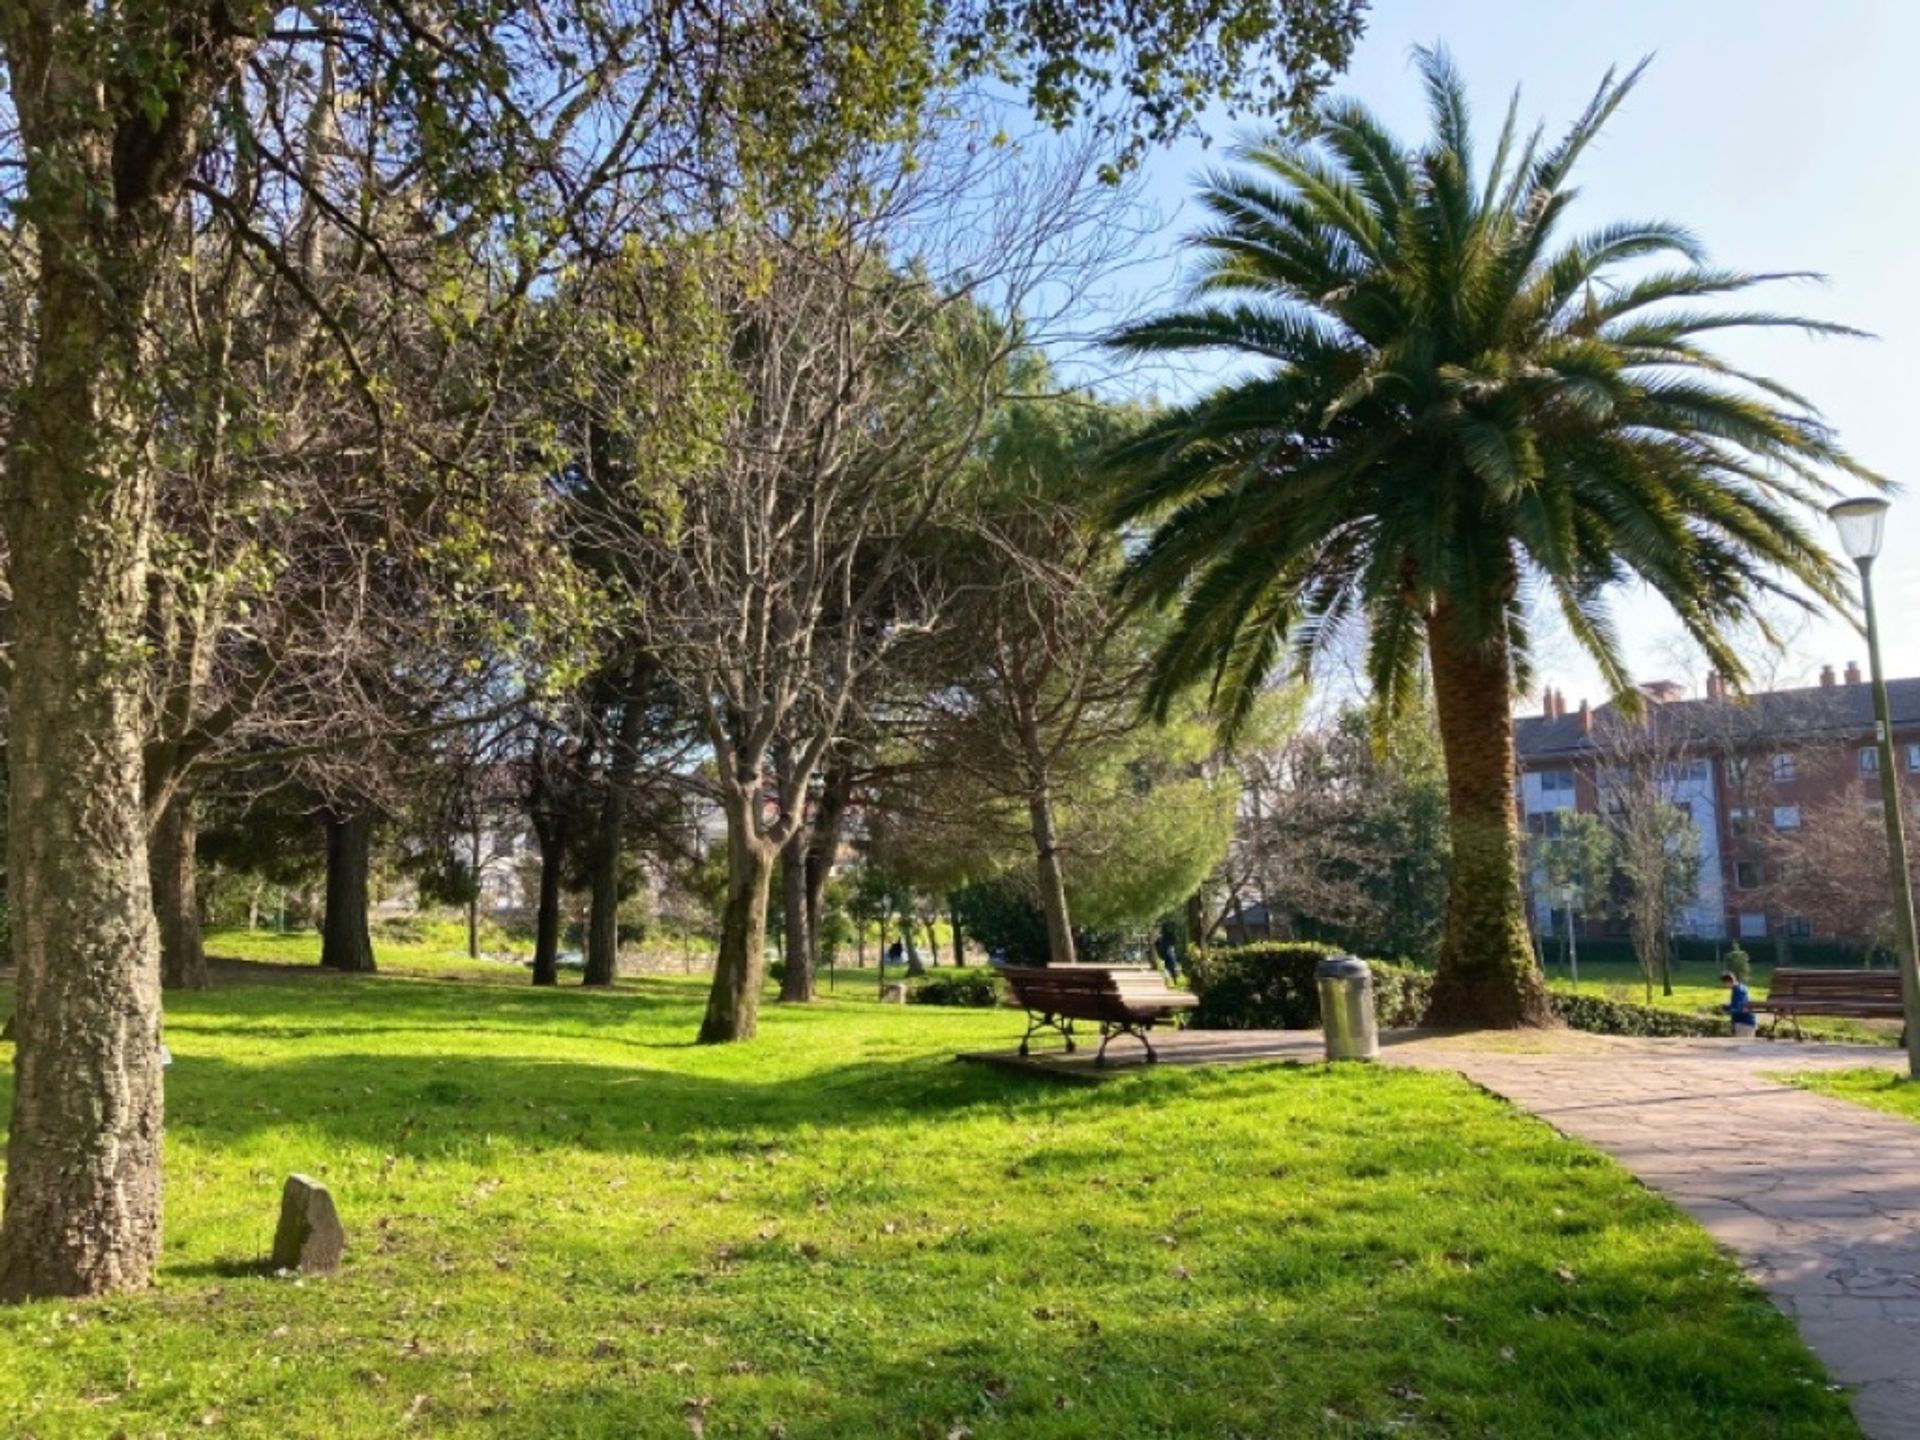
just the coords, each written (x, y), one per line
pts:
(1781, 134)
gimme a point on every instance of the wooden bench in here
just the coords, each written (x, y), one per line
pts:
(1121, 999)
(1855, 994)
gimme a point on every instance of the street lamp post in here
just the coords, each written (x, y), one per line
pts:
(1568, 894)
(1861, 524)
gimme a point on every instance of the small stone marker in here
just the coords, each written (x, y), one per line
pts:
(894, 995)
(310, 1237)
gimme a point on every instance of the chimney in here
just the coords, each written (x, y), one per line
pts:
(1559, 703)
(1546, 703)
(1586, 718)
(1853, 672)
(1826, 677)
(1714, 691)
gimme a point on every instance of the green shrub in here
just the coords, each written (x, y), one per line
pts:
(1268, 985)
(1739, 962)
(976, 989)
(1271, 986)
(1600, 1016)
(1400, 994)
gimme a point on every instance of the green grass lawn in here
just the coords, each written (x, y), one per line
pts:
(1882, 1089)
(566, 1220)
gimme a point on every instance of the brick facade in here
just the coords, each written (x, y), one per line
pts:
(1748, 769)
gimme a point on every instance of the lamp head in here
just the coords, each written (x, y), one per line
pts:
(1862, 523)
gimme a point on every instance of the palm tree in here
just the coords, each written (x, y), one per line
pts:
(1454, 417)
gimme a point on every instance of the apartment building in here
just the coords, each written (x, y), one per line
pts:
(1745, 768)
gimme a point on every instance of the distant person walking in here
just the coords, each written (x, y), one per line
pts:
(1163, 946)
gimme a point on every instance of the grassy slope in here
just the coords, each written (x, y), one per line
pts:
(567, 1221)
(1882, 1089)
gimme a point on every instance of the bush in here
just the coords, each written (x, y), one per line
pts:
(1271, 986)
(1740, 963)
(1264, 986)
(1599, 1016)
(1400, 995)
(977, 990)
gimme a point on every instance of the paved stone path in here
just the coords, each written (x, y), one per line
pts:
(1818, 1198)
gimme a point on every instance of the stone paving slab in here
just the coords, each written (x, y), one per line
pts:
(1818, 1198)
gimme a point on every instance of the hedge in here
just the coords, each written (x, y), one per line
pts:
(978, 990)
(1271, 986)
(1692, 951)
(1599, 1016)
(1268, 985)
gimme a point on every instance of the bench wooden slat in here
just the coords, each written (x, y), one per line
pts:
(1127, 999)
(1860, 994)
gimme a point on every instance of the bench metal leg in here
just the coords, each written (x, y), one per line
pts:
(1037, 1021)
(1112, 1029)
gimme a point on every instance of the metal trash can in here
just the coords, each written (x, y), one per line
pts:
(1346, 1008)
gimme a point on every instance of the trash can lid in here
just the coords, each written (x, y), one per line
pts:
(1343, 967)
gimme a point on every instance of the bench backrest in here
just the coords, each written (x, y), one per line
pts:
(1834, 985)
(1093, 992)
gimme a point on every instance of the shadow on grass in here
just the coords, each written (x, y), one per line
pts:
(426, 1105)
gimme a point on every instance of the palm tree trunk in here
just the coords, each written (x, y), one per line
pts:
(1486, 975)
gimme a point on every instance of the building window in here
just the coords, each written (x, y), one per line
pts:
(1753, 924)
(1798, 927)
(1737, 769)
(1784, 768)
(1869, 760)
(1913, 758)
(1739, 822)
(1746, 875)
(1556, 782)
(1786, 817)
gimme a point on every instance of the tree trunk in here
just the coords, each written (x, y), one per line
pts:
(959, 939)
(908, 937)
(603, 906)
(176, 901)
(546, 926)
(796, 983)
(83, 1160)
(1046, 845)
(1486, 976)
(1196, 926)
(740, 966)
(346, 942)
(933, 941)
(823, 846)
(603, 913)
(473, 926)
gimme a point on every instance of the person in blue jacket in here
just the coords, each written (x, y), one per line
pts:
(1739, 1004)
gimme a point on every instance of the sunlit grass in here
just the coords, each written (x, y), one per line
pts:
(1887, 1090)
(566, 1220)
